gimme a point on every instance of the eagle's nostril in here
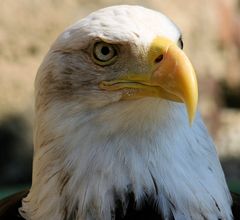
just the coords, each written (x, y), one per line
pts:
(159, 59)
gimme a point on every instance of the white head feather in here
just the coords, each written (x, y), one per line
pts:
(90, 147)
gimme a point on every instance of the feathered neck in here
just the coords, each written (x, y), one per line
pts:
(84, 159)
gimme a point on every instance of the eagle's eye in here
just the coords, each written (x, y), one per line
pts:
(180, 42)
(104, 53)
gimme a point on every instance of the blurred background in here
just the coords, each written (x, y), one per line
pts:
(211, 34)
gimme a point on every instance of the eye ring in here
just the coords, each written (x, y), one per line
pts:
(104, 53)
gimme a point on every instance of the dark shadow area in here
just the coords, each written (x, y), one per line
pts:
(230, 96)
(231, 168)
(15, 151)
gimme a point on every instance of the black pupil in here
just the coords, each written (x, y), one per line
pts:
(105, 50)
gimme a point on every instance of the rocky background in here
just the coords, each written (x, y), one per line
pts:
(211, 33)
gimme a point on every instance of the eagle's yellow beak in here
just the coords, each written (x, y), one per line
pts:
(172, 77)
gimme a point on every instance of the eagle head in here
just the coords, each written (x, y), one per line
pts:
(113, 100)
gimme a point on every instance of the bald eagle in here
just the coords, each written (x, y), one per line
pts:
(117, 131)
